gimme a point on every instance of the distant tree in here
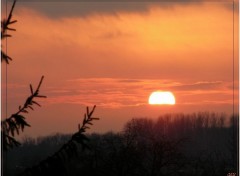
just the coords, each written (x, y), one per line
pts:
(160, 154)
(233, 142)
(141, 149)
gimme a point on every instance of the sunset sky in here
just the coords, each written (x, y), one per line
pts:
(114, 55)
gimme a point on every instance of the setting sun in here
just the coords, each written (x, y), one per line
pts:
(159, 97)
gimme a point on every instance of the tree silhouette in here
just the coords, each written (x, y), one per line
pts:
(5, 27)
(56, 163)
(17, 121)
(144, 147)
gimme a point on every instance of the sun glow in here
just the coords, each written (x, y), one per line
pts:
(160, 98)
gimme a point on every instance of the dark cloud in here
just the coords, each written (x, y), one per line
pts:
(62, 8)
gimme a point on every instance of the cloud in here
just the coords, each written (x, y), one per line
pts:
(73, 8)
(119, 92)
(59, 9)
(204, 85)
(105, 92)
(100, 45)
(113, 35)
(70, 48)
(130, 80)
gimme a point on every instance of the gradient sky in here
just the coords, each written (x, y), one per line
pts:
(113, 55)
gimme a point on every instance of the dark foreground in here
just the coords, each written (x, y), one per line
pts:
(201, 144)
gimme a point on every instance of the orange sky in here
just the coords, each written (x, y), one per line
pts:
(116, 58)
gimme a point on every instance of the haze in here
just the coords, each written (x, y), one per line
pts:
(114, 55)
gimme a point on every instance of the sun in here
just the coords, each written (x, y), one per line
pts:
(161, 98)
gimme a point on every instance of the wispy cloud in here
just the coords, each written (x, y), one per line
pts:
(203, 85)
(118, 92)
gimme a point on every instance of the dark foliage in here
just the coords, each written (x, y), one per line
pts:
(56, 163)
(173, 144)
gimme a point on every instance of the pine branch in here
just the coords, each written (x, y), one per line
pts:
(6, 23)
(5, 57)
(87, 120)
(79, 137)
(55, 163)
(5, 26)
(16, 122)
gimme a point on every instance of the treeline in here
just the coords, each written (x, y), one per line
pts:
(198, 144)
